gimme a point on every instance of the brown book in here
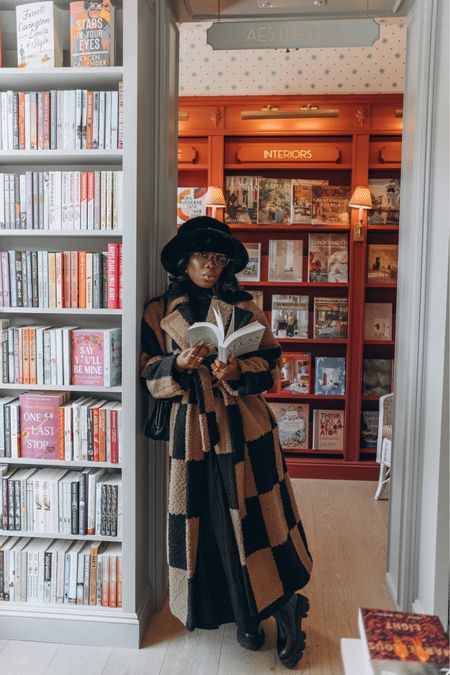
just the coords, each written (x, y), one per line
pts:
(52, 279)
(90, 120)
(32, 355)
(66, 279)
(82, 279)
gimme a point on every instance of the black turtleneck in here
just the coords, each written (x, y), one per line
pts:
(200, 299)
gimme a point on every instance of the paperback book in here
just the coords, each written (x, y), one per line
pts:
(274, 201)
(96, 357)
(285, 260)
(39, 424)
(329, 375)
(377, 377)
(236, 342)
(328, 258)
(92, 39)
(293, 425)
(382, 263)
(241, 196)
(190, 203)
(328, 429)
(330, 318)
(330, 204)
(378, 321)
(301, 208)
(296, 373)
(369, 428)
(290, 316)
(385, 200)
(403, 643)
(252, 271)
(38, 35)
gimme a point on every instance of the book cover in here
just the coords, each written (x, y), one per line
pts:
(190, 203)
(290, 315)
(302, 199)
(369, 428)
(293, 425)
(241, 196)
(39, 424)
(330, 375)
(382, 263)
(385, 200)
(330, 204)
(328, 258)
(328, 429)
(285, 260)
(377, 377)
(92, 33)
(96, 357)
(274, 200)
(252, 271)
(378, 321)
(403, 643)
(296, 373)
(37, 29)
(330, 318)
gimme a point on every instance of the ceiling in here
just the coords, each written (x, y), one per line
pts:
(240, 10)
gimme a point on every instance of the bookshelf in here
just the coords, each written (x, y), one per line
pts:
(361, 143)
(146, 35)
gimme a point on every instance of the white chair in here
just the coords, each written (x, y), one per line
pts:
(384, 442)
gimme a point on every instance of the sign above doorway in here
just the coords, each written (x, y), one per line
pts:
(292, 34)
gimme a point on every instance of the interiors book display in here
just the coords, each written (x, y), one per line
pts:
(330, 318)
(328, 258)
(385, 200)
(190, 203)
(330, 204)
(285, 260)
(92, 35)
(290, 316)
(329, 376)
(403, 643)
(293, 425)
(328, 429)
(296, 373)
(252, 271)
(382, 263)
(38, 30)
(241, 196)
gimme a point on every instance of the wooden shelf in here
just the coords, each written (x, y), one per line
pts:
(292, 284)
(58, 535)
(373, 285)
(388, 343)
(313, 341)
(311, 451)
(295, 227)
(383, 228)
(193, 167)
(310, 397)
(71, 464)
(383, 167)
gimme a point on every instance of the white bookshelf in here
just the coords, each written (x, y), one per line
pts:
(58, 535)
(149, 41)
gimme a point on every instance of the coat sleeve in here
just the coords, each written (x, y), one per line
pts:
(157, 370)
(260, 370)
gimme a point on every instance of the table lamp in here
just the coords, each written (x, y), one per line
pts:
(361, 199)
(214, 199)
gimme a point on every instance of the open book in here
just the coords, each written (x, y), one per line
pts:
(244, 340)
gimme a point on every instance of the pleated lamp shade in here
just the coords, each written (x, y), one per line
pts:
(214, 197)
(361, 198)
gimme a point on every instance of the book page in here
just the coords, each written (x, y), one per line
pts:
(246, 339)
(202, 330)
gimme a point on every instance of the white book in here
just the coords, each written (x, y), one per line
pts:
(76, 425)
(27, 121)
(60, 119)
(109, 200)
(59, 279)
(101, 121)
(10, 114)
(46, 199)
(69, 119)
(74, 562)
(77, 200)
(114, 119)
(94, 476)
(78, 117)
(89, 280)
(108, 120)
(71, 201)
(15, 428)
(59, 356)
(2, 201)
(4, 111)
(67, 347)
(40, 19)
(103, 200)
(29, 189)
(119, 197)
(65, 200)
(83, 119)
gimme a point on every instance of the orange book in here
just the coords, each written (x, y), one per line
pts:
(74, 279)
(25, 356)
(32, 354)
(82, 279)
(119, 581)
(92, 33)
(83, 200)
(90, 120)
(61, 431)
(95, 435)
(66, 279)
(52, 279)
(112, 581)
(21, 120)
(46, 123)
(105, 579)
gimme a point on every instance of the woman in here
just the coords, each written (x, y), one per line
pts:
(236, 546)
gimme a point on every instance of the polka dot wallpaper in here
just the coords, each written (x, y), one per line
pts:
(376, 69)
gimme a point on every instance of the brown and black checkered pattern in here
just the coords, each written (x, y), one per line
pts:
(233, 420)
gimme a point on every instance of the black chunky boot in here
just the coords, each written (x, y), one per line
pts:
(290, 637)
(253, 641)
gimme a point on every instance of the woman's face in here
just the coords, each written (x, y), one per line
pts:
(203, 270)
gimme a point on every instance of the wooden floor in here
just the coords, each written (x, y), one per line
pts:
(347, 533)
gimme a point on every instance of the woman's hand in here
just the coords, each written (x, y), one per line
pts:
(226, 371)
(192, 357)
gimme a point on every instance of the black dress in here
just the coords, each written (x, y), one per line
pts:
(219, 592)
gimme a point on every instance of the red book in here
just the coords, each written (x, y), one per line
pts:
(82, 279)
(113, 276)
(95, 435)
(96, 357)
(74, 279)
(120, 278)
(39, 424)
(102, 435)
(403, 642)
(114, 437)
(66, 279)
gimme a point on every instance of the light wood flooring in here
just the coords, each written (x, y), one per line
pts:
(347, 534)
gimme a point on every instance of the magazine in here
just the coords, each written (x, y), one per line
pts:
(328, 258)
(274, 201)
(382, 263)
(385, 200)
(293, 425)
(330, 375)
(377, 377)
(330, 318)
(301, 207)
(235, 342)
(241, 196)
(252, 271)
(296, 373)
(330, 204)
(190, 203)
(328, 429)
(290, 316)
(378, 321)
(285, 260)
(369, 428)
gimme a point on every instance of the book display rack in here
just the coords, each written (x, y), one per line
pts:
(75, 143)
(287, 183)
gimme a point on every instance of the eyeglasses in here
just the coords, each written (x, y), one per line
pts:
(218, 259)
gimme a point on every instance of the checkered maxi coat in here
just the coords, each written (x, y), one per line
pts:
(237, 424)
